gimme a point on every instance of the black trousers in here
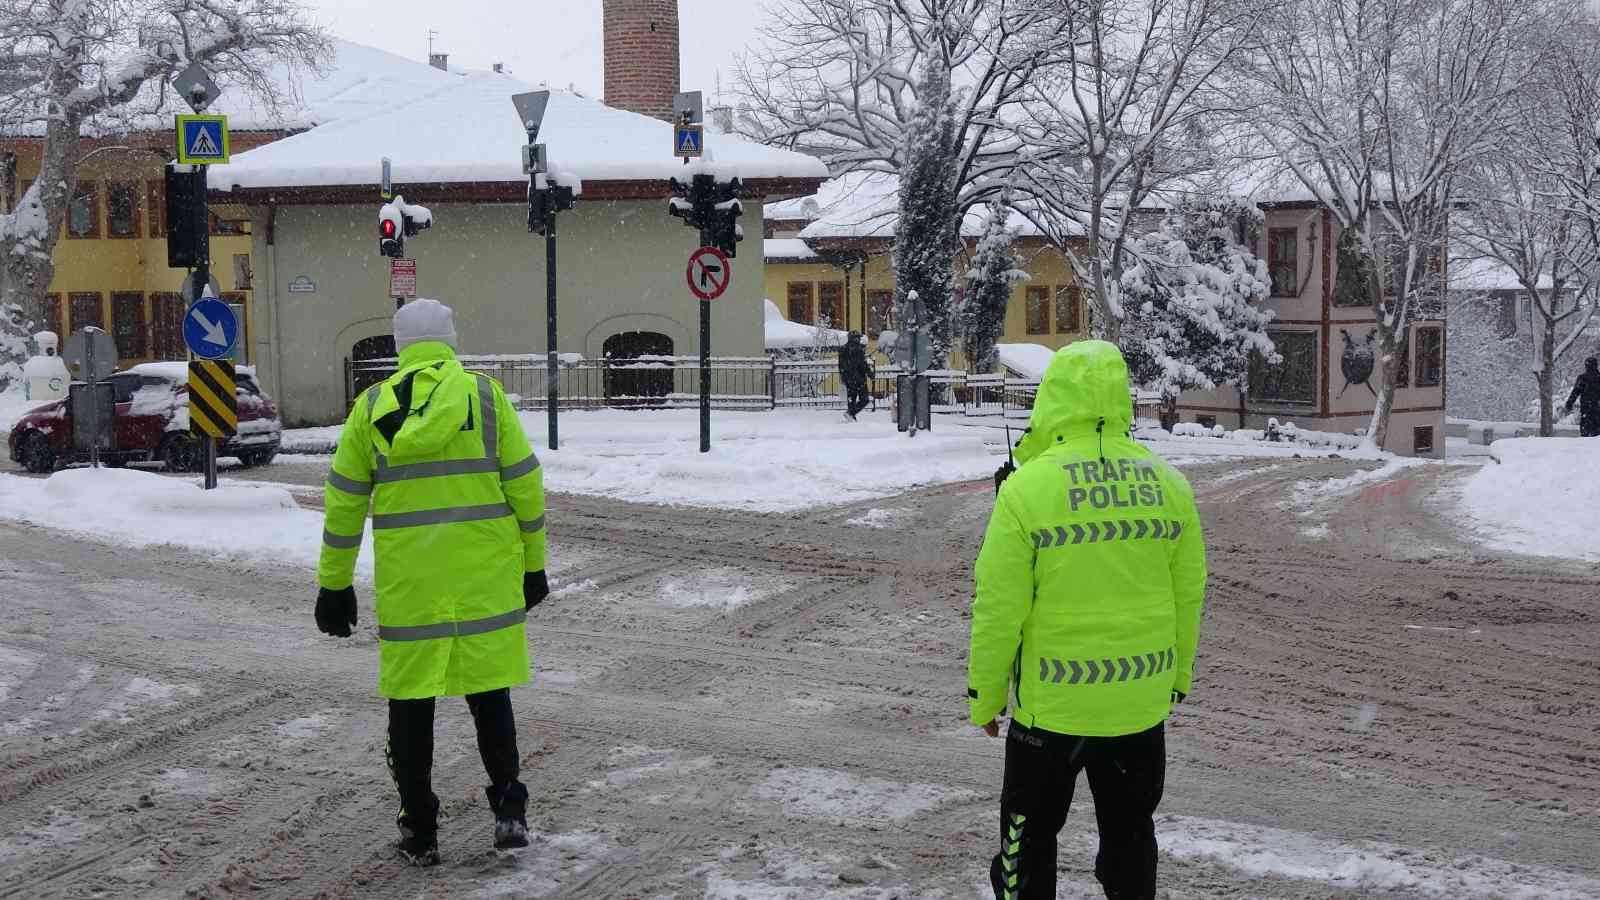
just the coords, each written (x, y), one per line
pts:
(858, 398)
(1126, 777)
(410, 756)
(1589, 421)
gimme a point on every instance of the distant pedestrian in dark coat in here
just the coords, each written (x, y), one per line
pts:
(1586, 393)
(855, 370)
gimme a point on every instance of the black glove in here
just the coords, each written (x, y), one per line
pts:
(336, 611)
(1177, 696)
(535, 587)
(1001, 474)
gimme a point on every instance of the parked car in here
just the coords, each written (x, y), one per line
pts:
(152, 424)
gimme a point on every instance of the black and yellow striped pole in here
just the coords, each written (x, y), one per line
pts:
(213, 408)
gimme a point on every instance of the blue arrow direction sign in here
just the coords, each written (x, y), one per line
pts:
(210, 328)
(202, 140)
(688, 140)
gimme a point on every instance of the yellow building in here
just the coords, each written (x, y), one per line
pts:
(829, 257)
(111, 260)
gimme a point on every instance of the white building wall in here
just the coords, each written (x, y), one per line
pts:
(621, 268)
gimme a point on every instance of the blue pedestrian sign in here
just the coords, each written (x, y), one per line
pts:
(210, 328)
(688, 140)
(202, 140)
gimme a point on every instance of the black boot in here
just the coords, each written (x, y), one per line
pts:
(510, 805)
(419, 836)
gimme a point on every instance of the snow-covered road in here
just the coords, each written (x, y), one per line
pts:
(731, 704)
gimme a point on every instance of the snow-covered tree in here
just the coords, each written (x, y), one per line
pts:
(842, 79)
(1375, 107)
(991, 275)
(927, 225)
(1533, 208)
(1192, 291)
(1120, 117)
(83, 68)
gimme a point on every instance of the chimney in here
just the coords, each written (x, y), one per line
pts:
(440, 61)
(499, 68)
(641, 55)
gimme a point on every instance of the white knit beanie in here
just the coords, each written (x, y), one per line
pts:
(424, 320)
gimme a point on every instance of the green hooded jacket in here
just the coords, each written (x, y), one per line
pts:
(457, 502)
(1092, 574)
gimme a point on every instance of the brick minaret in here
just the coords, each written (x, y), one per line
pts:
(642, 55)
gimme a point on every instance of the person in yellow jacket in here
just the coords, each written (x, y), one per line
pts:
(457, 506)
(1085, 621)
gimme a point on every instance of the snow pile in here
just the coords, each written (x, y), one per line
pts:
(1027, 360)
(770, 461)
(238, 521)
(311, 440)
(1287, 433)
(12, 407)
(1542, 498)
(783, 334)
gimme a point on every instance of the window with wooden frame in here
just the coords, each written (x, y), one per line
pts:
(155, 207)
(1283, 261)
(1430, 356)
(86, 311)
(225, 227)
(1295, 379)
(127, 323)
(1069, 309)
(122, 209)
(1402, 377)
(83, 213)
(166, 316)
(52, 319)
(1038, 312)
(800, 302)
(880, 312)
(1422, 439)
(830, 303)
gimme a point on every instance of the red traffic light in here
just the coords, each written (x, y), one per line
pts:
(386, 228)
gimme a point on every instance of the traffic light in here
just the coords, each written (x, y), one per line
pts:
(391, 241)
(712, 207)
(186, 212)
(545, 202)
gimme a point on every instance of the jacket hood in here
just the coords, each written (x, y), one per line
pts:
(426, 404)
(1084, 387)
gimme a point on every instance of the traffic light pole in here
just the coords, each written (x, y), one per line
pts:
(705, 361)
(202, 282)
(552, 365)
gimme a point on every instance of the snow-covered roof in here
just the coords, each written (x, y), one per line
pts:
(783, 334)
(466, 130)
(1027, 360)
(1477, 274)
(787, 248)
(866, 205)
(357, 81)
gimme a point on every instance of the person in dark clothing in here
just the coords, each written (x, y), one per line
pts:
(855, 370)
(1586, 393)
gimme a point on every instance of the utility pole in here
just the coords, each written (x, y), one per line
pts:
(545, 200)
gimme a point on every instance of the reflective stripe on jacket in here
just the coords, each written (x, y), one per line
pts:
(457, 502)
(1092, 573)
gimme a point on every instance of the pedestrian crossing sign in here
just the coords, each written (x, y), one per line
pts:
(202, 140)
(688, 140)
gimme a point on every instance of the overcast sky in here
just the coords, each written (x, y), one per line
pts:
(557, 41)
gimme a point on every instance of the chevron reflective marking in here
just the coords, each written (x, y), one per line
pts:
(1160, 530)
(1061, 536)
(1105, 671)
(213, 401)
(1127, 529)
(1094, 532)
(1141, 527)
(1109, 531)
(1177, 529)
(1077, 534)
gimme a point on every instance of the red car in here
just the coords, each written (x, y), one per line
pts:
(152, 424)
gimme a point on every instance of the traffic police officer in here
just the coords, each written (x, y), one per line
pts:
(1086, 618)
(457, 502)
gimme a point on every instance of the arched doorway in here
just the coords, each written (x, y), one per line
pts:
(639, 383)
(364, 376)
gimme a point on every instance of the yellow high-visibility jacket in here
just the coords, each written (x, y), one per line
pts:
(1093, 572)
(457, 503)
